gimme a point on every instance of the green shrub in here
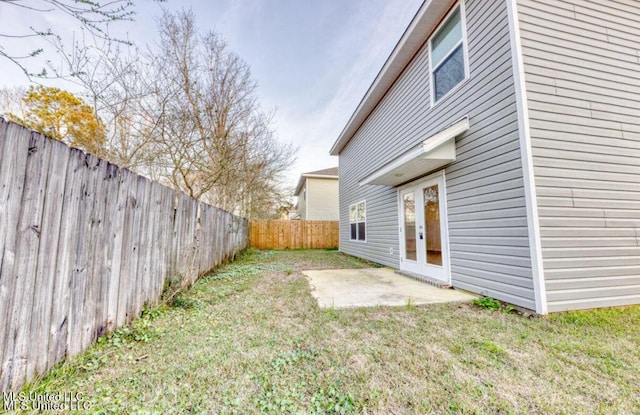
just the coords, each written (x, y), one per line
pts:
(488, 303)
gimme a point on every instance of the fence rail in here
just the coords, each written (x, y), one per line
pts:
(293, 234)
(85, 245)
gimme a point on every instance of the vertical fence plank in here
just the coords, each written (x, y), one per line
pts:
(104, 218)
(59, 326)
(182, 250)
(195, 241)
(144, 258)
(211, 242)
(219, 239)
(296, 243)
(96, 229)
(27, 295)
(112, 249)
(168, 218)
(140, 235)
(48, 228)
(153, 244)
(128, 202)
(177, 239)
(12, 178)
(5, 157)
(229, 236)
(202, 239)
(82, 260)
(48, 255)
(187, 241)
(156, 260)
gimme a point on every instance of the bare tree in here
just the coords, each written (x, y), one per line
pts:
(217, 142)
(93, 16)
(113, 77)
(11, 102)
(186, 113)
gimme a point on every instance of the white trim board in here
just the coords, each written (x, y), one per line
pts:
(531, 200)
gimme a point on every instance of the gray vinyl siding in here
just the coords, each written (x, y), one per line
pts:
(582, 72)
(488, 232)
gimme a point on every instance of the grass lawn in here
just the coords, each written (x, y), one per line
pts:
(249, 338)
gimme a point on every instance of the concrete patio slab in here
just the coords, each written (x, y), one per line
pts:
(368, 287)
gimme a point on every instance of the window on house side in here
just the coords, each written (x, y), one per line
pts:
(448, 56)
(358, 222)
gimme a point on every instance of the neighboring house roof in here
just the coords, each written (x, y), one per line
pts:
(330, 173)
(421, 27)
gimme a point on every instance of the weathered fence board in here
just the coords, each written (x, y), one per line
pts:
(40, 281)
(126, 208)
(10, 283)
(85, 245)
(293, 234)
(26, 254)
(49, 243)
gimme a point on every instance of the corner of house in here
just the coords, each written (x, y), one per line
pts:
(533, 222)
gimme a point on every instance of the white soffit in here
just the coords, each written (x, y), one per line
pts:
(434, 152)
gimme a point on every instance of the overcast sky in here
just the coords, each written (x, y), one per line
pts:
(313, 59)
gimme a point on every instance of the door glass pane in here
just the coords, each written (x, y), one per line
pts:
(432, 224)
(409, 207)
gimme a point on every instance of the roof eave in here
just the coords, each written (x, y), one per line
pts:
(321, 176)
(301, 181)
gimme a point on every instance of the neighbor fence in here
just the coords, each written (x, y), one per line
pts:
(85, 245)
(293, 234)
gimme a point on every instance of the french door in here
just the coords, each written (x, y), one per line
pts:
(423, 229)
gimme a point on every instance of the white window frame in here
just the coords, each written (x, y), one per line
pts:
(465, 53)
(364, 203)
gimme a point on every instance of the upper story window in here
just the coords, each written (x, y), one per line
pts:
(358, 221)
(448, 61)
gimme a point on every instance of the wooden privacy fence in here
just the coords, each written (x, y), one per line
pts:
(293, 234)
(85, 245)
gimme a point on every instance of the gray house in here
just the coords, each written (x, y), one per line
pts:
(498, 150)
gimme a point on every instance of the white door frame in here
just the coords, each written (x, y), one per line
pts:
(420, 265)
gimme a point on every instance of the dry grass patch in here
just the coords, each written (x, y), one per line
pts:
(250, 338)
